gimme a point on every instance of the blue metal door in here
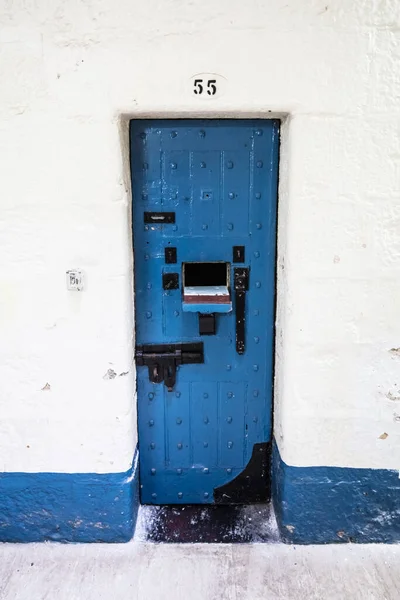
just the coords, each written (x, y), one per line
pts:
(204, 232)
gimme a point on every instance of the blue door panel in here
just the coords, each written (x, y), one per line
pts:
(205, 413)
(231, 425)
(177, 425)
(235, 192)
(205, 175)
(219, 178)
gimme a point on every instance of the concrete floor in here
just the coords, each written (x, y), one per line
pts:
(145, 571)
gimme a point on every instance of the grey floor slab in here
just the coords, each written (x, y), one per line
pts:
(143, 570)
(147, 571)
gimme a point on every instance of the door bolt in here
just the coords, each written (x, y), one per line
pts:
(258, 195)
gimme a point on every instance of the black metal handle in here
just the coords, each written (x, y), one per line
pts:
(241, 285)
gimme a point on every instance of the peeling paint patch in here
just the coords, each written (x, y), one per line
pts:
(393, 397)
(394, 351)
(383, 436)
(46, 388)
(110, 374)
(341, 534)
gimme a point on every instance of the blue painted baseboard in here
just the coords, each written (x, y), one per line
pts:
(68, 507)
(321, 505)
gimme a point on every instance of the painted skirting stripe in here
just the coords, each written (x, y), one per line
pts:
(68, 507)
(319, 505)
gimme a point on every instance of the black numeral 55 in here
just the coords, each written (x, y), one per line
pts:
(211, 86)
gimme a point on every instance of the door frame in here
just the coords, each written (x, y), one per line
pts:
(281, 237)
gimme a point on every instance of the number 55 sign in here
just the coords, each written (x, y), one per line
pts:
(207, 85)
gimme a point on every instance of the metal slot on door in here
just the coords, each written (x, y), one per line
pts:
(206, 291)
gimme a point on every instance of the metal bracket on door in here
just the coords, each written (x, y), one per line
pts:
(163, 359)
(241, 285)
(253, 484)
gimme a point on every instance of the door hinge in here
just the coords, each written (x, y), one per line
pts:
(163, 359)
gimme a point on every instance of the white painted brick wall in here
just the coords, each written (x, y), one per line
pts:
(71, 74)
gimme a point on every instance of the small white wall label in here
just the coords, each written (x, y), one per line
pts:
(75, 280)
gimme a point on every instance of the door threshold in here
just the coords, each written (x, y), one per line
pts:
(207, 524)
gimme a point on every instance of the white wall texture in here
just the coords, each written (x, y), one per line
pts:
(71, 74)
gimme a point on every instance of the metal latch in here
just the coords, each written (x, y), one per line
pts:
(241, 285)
(162, 360)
